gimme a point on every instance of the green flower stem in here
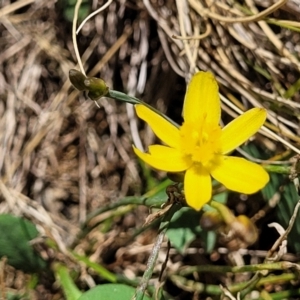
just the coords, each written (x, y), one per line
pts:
(283, 265)
(280, 169)
(130, 99)
(122, 97)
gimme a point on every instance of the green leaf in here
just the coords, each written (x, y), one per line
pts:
(183, 228)
(15, 237)
(68, 9)
(111, 291)
(210, 241)
(221, 197)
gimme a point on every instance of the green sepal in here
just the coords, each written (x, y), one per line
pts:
(77, 79)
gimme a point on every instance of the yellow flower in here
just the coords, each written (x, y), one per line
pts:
(200, 146)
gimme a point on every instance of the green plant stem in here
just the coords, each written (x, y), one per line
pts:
(130, 99)
(68, 286)
(138, 200)
(283, 265)
(278, 169)
(102, 272)
(283, 295)
(211, 289)
(250, 285)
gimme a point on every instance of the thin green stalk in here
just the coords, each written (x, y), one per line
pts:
(283, 265)
(102, 272)
(68, 286)
(283, 294)
(145, 199)
(130, 99)
(193, 286)
(215, 290)
(278, 279)
(281, 169)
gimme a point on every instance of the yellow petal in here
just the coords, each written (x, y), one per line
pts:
(242, 128)
(240, 175)
(163, 129)
(202, 99)
(197, 187)
(164, 158)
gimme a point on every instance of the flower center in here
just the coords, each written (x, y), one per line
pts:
(201, 142)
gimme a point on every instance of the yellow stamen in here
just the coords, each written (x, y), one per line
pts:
(201, 142)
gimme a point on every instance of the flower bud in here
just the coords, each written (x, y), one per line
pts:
(97, 87)
(77, 79)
